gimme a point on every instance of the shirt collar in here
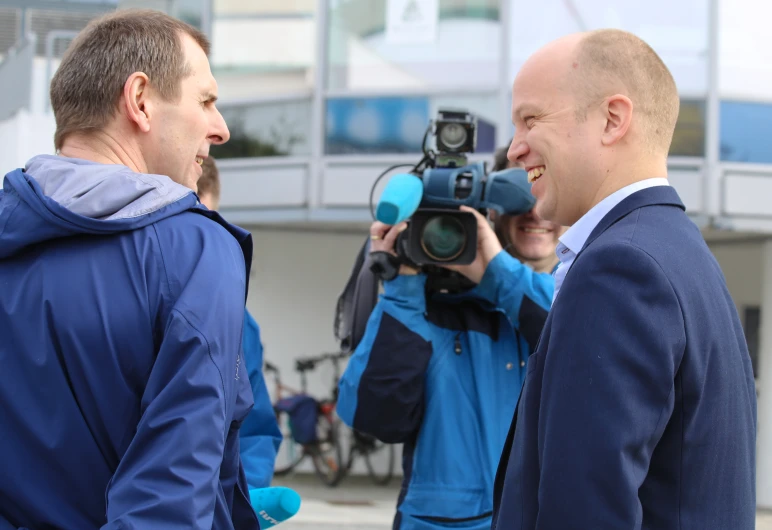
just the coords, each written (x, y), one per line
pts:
(576, 236)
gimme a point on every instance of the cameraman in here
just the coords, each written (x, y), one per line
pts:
(440, 370)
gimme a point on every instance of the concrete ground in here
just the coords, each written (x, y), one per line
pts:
(358, 504)
(354, 504)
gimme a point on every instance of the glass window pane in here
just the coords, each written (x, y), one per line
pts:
(397, 124)
(270, 128)
(265, 7)
(689, 135)
(745, 59)
(746, 129)
(422, 43)
(680, 37)
(261, 48)
(190, 11)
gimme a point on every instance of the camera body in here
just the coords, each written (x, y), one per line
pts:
(438, 232)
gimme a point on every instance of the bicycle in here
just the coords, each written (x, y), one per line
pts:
(366, 446)
(324, 450)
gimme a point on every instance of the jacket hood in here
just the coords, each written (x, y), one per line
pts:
(54, 197)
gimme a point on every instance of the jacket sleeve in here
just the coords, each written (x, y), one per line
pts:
(382, 389)
(608, 389)
(260, 436)
(184, 453)
(525, 296)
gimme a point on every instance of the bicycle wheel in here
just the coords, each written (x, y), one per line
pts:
(290, 452)
(327, 454)
(379, 458)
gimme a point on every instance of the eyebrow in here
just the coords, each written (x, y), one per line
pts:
(528, 108)
(525, 108)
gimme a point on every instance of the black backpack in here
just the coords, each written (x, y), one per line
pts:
(356, 302)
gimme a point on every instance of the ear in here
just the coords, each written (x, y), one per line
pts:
(136, 101)
(618, 111)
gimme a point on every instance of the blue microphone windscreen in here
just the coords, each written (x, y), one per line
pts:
(274, 505)
(400, 198)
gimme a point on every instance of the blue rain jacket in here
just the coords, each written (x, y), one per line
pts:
(442, 374)
(123, 387)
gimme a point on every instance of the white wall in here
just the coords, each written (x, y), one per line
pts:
(296, 279)
(741, 263)
(24, 136)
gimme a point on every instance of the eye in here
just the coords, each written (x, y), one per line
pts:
(529, 121)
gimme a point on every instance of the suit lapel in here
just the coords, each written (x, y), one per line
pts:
(655, 196)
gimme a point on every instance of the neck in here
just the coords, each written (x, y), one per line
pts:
(104, 147)
(625, 173)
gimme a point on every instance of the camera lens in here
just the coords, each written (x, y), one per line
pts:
(453, 135)
(443, 238)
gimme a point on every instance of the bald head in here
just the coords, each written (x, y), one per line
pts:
(593, 112)
(610, 61)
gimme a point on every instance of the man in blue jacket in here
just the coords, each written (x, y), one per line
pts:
(259, 436)
(122, 299)
(639, 406)
(441, 372)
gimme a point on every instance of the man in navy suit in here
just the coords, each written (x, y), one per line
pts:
(639, 407)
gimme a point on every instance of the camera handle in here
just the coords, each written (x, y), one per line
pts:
(384, 265)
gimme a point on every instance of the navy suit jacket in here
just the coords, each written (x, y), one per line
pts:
(639, 405)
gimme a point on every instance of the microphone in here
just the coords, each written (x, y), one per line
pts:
(400, 198)
(274, 505)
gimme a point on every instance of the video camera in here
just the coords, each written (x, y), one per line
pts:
(430, 195)
(438, 233)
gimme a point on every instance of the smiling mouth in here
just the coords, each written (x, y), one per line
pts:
(529, 230)
(535, 173)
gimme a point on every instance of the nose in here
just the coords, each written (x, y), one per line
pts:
(219, 133)
(530, 216)
(518, 150)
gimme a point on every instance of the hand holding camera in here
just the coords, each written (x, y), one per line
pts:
(383, 238)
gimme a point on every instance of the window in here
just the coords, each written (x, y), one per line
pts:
(745, 50)
(194, 12)
(745, 131)
(358, 125)
(413, 44)
(689, 135)
(267, 128)
(262, 47)
(680, 37)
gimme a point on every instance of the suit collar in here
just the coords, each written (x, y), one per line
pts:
(658, 195)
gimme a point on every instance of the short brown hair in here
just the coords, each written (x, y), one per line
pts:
(613, 60)
(210, 179)
(91, 77)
